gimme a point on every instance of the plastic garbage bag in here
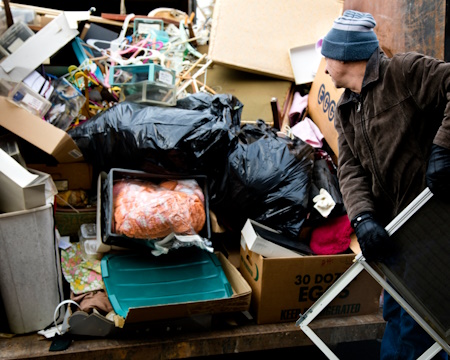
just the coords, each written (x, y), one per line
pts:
(268, 180)
(194, 137)
(324, 180)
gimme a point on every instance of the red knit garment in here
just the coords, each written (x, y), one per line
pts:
(333, 237)
(144, 210)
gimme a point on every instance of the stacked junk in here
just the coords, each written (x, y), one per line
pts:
(135, 188)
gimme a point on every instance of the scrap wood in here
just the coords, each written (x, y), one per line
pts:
(119, 17)
(194, 77)
(188, 71)
(202, 85)
(9, 18)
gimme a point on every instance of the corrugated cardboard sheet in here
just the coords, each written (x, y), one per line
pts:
(322, 102)
(256, 35)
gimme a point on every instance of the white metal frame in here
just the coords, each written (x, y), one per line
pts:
(352, 272)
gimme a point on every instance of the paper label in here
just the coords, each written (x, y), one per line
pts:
(165, 77)
(32, 102)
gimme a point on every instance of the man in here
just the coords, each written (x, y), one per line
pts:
(393, 124)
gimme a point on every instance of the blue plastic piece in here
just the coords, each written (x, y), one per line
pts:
(134, 280)
(79, 47)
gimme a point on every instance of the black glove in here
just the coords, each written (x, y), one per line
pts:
(372, 237)
(438, 172)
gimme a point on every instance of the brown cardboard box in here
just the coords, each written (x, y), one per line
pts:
(72, 176)
(171, 314)
(256, 36)
(38, 132)
(322, 100)
(254, 91)
(284, 288)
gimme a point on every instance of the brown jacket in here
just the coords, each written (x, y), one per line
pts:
(386, 132)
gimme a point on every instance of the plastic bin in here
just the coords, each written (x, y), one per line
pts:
(132, 74)
(30, 273)
(30, 100)
(15, 36)
(149, 92)
(135, 280)
(107, 222)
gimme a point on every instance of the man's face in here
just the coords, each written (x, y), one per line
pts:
(336, 70)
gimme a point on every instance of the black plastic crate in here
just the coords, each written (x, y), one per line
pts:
(107, 212)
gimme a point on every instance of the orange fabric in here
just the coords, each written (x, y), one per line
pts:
(145, 210)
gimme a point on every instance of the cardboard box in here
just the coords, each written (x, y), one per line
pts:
(41, 46)
(322, 100)
(193, 315)
(254, 91)
(284, 288)
(38, 132)
(256, 35)
(72, 176)
(239, 301)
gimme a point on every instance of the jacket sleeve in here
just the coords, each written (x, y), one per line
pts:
(353, 183)
(428, 80)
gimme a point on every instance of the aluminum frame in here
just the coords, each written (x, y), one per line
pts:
(352, 272)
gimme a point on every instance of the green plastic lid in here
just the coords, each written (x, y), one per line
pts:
(135, 280)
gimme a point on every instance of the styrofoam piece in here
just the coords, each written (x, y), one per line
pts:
(41, 46)
(30, 275)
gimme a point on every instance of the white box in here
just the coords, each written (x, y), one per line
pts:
(41, 46)
(305, 61)
(14, 197)
(30, 274)
(251, 240)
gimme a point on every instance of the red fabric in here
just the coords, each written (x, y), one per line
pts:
(333, 237)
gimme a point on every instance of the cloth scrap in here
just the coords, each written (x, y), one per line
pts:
(82, 274)
(308, 131)
(324, 202)
(298, 106)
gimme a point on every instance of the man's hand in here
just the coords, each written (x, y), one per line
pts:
(372, 237)
(438, 172)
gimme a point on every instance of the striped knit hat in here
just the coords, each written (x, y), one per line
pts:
(351, 38)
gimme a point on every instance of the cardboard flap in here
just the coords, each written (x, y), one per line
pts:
(38, 132)
(256, 35)
(322, 101)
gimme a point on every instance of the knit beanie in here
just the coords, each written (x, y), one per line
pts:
(351, 38)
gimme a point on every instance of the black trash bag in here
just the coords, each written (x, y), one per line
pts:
(325, 178)
(268, 180)
(194, 137)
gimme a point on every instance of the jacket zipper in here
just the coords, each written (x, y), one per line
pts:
(369, 145)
